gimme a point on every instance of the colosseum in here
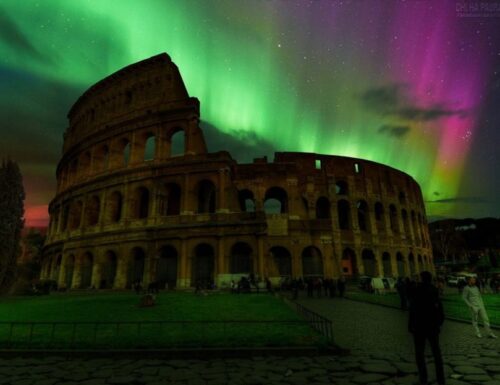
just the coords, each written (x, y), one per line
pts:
(139, 197)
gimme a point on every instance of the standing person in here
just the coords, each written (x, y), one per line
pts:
(341, 286)
(473, 299)
(426, 317)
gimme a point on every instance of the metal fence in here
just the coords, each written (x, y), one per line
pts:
(323, 325)
(165, 334)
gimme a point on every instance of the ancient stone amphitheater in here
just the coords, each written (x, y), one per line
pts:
(139, 197)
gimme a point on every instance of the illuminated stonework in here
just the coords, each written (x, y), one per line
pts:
(128, 208)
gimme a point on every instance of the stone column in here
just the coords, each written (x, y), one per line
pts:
(61, 280)
(96, 272)
(184, 280)
(263, 272)
(359, 261)
(77, 273)
(121, 270)
(219, 263)
(221, 191)
(379, 263)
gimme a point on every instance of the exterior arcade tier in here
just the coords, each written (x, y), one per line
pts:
(129, 207)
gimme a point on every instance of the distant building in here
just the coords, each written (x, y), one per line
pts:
(127, 208)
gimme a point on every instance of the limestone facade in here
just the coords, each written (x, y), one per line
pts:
(129, 208)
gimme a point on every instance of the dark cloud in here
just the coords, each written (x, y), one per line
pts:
(460, 200)
(391, 100)
(394, 130)
(243, 146)
(12, 36)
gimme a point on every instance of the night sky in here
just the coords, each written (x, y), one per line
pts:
(411, 84)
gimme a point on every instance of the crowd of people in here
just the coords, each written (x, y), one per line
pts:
(484, 284)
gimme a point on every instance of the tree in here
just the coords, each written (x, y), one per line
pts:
(11, 221)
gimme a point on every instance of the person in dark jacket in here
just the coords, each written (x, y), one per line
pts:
(426, 317)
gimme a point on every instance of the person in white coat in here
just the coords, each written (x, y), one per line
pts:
(473, 299)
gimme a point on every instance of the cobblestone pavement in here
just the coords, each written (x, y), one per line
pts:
(381, 354)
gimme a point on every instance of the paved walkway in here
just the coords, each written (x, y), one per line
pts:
(381, 347)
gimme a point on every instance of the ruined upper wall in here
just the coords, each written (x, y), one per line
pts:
(138, 89)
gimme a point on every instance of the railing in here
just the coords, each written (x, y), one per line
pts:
(161, 334)
(321, 324)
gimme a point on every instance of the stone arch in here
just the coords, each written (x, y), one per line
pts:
(166, 271)
(120, 153)
(323, 208)
(379, 217)
(402, 197)
(281, 261)
(344, 213)
(406, 227)
(203, 265)
(312, 262)
(101, 158)
(411, 263)
(341, 187)
(206, 193)
(86, 270)
(178, 142)
(114, 207)
(109, 269)
(141, 203)
(170, 199)
(400, 264)
(92, 211)
(75, 215)
(349, 263)
(275, 201)
(363, 216)
(393, 218)
(241, 260)
(387, 265)
(137, 265)
(149, 146)
(369, 263)
(246, 200)
(69, 271)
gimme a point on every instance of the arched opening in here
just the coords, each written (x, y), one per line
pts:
(101, 158)
(341, 188)
(141, 201)
(386, 263)
(402, 197)
(177, 143)
(343, 210)
(393, 216)
(149, 148)
(323, 208)
(369, 263)
(276, 201)
(206, 197)
(166, 272)
(404, 216)
(241, 259)
(85, 164)
(349, 265)
(170, 200)
(203, 265)
(114, 209)
(379, 217)
(363, 218)
(246, 201)
(312, 262)
(75, 215)
(401, 265)
(92, 210)
(109, 267)
(87, 267)
(138, 261)
(69, 269)
(282, 261)
(411, 261)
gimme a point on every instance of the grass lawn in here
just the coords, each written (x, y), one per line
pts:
(453, 304)
(184, 310)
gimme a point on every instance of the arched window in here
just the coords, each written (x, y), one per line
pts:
(149, 148)
(322, 208)
(177, 145)
(203, 265)
(114, 207)
(341, 188)
(166, 272)
(369, 263)
(276, 201)
(363, 219)
(402, 197)
(312, 262)
(349, 264)
(343, 210)
(282, 261)
(126, 153)
(75, 215)
(141, 201)
(386, 262)
(101, 158)
(246, 201)
(206, 197)
(404, 216)
(393, 217)
(92, 210)
(241, 258)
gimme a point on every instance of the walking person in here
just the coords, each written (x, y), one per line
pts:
(426, 317)
(473, 299)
